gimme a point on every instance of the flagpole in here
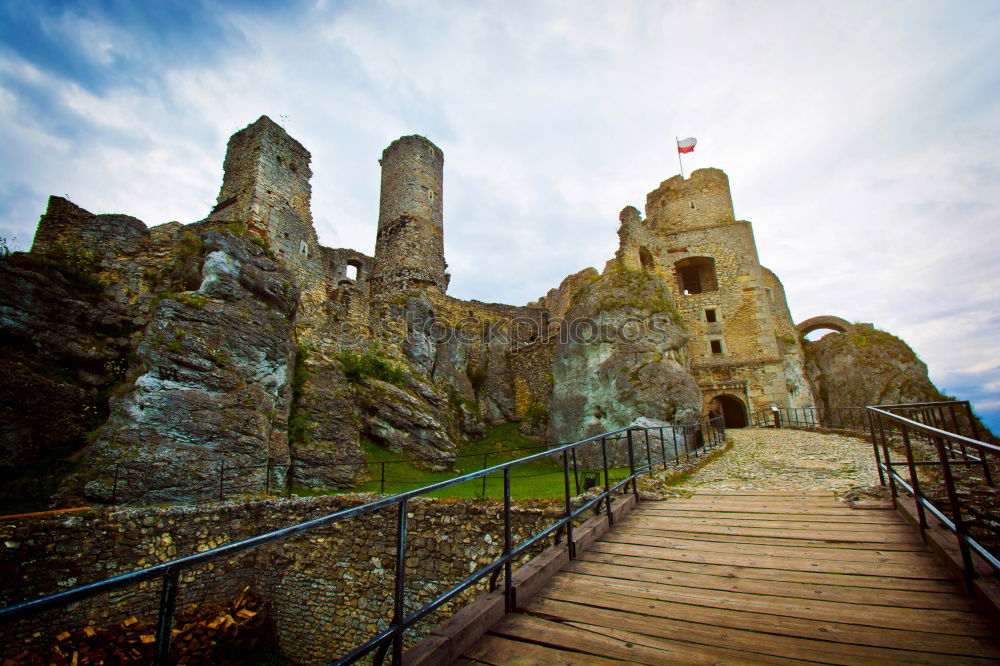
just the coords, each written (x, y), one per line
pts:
(677, 140)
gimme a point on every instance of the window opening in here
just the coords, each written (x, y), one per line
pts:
(710, 316)
(646, 259)
(696, 275)
(351, 272)
(716, 346)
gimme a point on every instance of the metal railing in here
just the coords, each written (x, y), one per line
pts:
(281, 479)
(834, 418)
(691, 440)
(946, 472)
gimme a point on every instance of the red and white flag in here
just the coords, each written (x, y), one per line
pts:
(686, 145)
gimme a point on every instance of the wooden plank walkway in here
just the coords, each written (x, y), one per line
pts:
(745, 578)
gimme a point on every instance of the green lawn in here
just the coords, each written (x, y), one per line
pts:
(540, 478)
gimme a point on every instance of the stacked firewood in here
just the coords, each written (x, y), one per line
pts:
(233, 634)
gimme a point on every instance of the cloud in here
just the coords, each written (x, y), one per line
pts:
(859, 137)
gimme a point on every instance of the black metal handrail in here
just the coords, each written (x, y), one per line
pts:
(706, 434)
(954, 453)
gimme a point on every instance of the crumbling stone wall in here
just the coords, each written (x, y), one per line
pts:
(266, 189)
(330, 588)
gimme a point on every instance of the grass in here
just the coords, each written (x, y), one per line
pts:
(537, 479)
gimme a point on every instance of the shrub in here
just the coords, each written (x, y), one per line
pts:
(369, 364)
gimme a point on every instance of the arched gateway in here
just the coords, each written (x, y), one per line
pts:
(732, 409)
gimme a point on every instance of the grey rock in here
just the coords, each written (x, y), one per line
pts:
(620, 357)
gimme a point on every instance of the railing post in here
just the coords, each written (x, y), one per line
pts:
(972, 420)
(663, 451)
(777, 417)
(483, 493)
(673, 432)
(165, 619)
(607, 481)
(631, 463)
(918, 494)
(399, 598)
(961, 531)
(222, 474)
(888, 459)
(649, 456)
(381, 480)
(955, 427)
(570, 546)
(576, 472)
(509, 602)
(878, 458)
(267, 480)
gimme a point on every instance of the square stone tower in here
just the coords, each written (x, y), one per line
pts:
(266, 187)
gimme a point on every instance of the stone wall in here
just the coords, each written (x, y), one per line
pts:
(789, 343)
(330, 588)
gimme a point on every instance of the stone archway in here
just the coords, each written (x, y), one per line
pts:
(824, 321)
(732, 409)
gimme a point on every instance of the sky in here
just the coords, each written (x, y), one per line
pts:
(861, 137)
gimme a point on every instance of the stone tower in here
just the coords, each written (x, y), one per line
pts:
(744, 350)
(409, 245)
(266, 187)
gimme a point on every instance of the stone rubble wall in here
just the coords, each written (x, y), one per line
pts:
(331, 588)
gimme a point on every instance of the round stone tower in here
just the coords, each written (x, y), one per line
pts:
(409, 245)
(701, 200)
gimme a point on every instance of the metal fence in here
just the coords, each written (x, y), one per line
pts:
(636, 441)
(948, 474)
(280, 479)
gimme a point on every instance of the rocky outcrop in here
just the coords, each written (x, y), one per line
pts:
(64, 347)
(324, 426)
(620, 357)
(866, 366)
(211, 390)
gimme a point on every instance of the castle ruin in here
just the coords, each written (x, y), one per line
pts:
(469, 365)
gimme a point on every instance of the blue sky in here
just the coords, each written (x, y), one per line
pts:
(862, 138)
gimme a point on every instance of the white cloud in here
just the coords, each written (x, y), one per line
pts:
(860, 139)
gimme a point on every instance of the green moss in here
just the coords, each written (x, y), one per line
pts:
(371, 364)
(188, 298)
(265, 245)
(299, 422)
(536, 415)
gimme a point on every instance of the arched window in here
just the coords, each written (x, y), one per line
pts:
(696, 275)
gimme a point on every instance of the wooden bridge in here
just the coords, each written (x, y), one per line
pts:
(745, 578)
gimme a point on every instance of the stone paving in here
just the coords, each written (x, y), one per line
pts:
(786, 460)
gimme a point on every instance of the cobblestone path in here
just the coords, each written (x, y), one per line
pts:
(769, 459)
